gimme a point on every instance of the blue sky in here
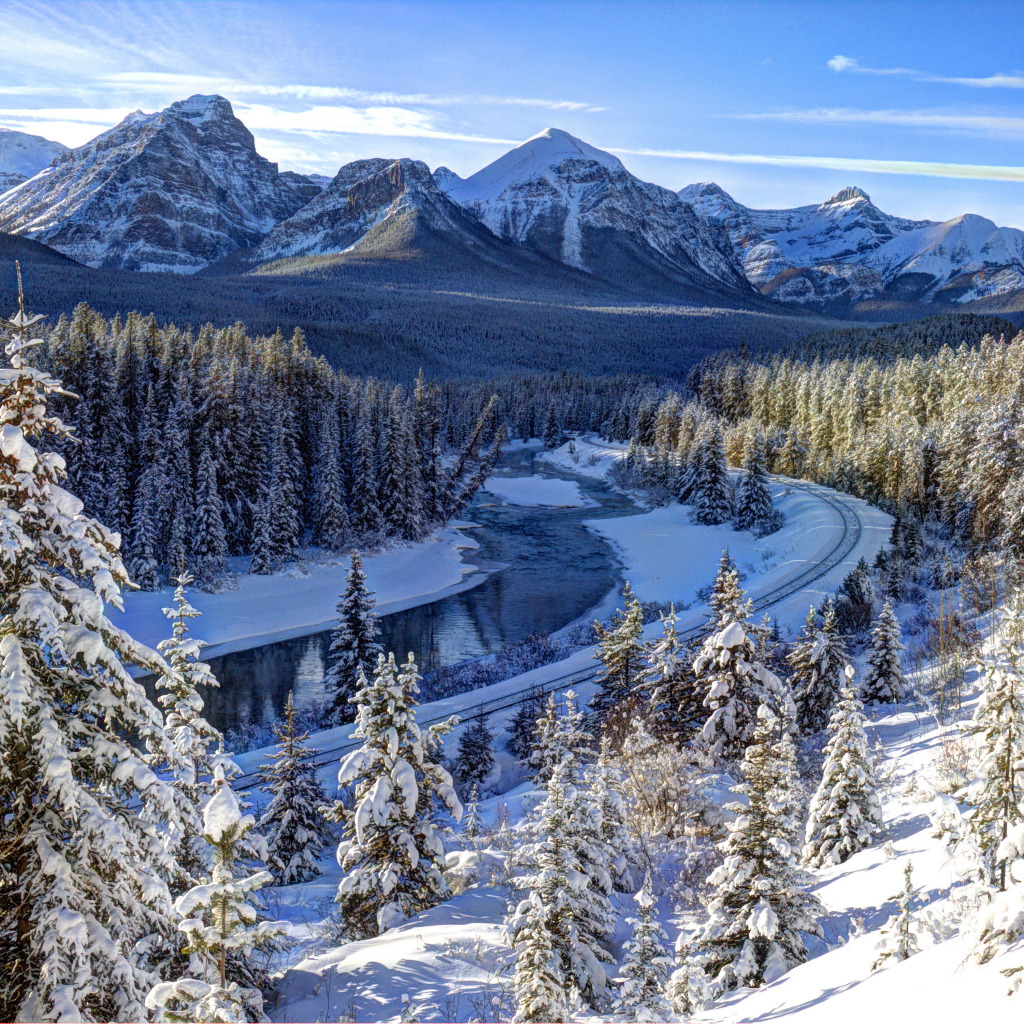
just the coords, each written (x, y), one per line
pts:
(781, 103)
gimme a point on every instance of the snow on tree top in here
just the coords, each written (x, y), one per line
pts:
(734, 635)
(222, 813)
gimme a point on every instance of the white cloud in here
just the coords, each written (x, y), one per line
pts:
(934, 119)
(921, 168)
(997, 81)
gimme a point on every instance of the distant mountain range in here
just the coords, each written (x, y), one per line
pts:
(185, 190)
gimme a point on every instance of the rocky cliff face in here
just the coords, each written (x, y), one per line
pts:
(577, 204)
(174, 190)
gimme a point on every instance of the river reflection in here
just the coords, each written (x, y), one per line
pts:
(556, 571)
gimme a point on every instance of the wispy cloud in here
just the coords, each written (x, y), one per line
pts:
(854, 165)
(997, 81)
(934, 119)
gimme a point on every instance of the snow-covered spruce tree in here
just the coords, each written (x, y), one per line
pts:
(620, 651)
(857, 585)
(899, 936)
(817, 660)
(472, 820)
(673, 701)
(604, 783)
(523, 726)
(82, 862)
(475, 757)
(332, 528)
(392, 853)
(883, 680)
(711, 495)
(754, 509)
(293, 823)
(994, 797)
(209, 542)
(737, 683)
(566, 895)
(560, 734)
(728, 601)
(198, 744)
(644, 975)
(845, 814)
(758, 908)
(1000, 922)
(687, 989)
(354, 647)
(538, 983)
(218, 921)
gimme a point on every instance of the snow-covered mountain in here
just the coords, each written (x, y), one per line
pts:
(23, 155)
(846, 249)
(372, 206)
(578, 204)
(173, 190)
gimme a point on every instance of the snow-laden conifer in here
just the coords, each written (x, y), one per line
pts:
(198, 744)
(644, 975)
(218, 920)
(711, 494)
(472, 819)
(293, 823)
(899, 936)
(564, 873)
(475, 757)
(523, 725)
(817, 660)
(560, 734)
(737, 683)
(754, 509)
(883, 679)
(392, 852)
(845, 814)
(674, 701)
(82, 861)
(604, 783)
(758, 908)
(620, 651)
(354, 644)
(994, 796)
(209, 543)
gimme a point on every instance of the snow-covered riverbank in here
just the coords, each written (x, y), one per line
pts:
(301, 599)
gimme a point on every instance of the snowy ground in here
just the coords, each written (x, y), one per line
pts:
(537, 491)
(301, 599)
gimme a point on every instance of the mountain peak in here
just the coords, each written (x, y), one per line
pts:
(554, 145)
(200, 108)
(849, 194)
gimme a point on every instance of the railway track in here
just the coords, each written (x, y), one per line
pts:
(852, 528)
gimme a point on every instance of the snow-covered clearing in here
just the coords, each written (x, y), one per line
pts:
(537, 491)
(301, 598)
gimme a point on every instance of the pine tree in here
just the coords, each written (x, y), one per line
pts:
(845, 813)
(197, 743)
(712, 494)
(620, 652)
(475, 758)
(332, 528)
(737, 683)
(392, 853)
(604, 783)
(523, 725)
(674, 700)
(293, 823)
(754, 509)
(564, 899)
(644, 975)
(995, 796)
(560, 736)
(728, 601)
(884, 682)
(758, 908)
(817, 660)
(472, 820)
(209, 541)
(217, 921)
(687, 988)
(82, 863)
(353, 642)
(899, 936)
